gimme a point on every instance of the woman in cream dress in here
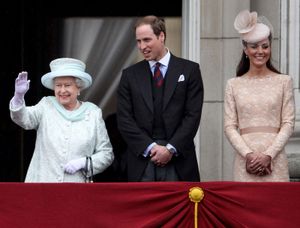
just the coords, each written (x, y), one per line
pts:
(259, 107)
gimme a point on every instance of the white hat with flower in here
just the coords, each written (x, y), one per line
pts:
(250, 28)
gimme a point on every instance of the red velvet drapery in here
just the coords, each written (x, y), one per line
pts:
(151, 205)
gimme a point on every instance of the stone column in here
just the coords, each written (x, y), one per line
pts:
(289, 59)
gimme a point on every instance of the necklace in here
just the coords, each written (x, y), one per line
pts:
(78, 103)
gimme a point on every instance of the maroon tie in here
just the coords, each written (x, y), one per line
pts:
(158, 77)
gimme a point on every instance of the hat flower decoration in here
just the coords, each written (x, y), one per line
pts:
(247, 25)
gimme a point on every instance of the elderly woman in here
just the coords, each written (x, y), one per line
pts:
(68, 130)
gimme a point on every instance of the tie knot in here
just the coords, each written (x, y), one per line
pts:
(157, 64)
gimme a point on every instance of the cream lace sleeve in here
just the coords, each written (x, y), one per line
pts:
(231, 122)
(287, 119)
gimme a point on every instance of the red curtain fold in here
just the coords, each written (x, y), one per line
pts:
(149, 205)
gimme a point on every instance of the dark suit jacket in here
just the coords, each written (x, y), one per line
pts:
(182, 107)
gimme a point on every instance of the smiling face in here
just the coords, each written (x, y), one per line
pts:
(66, 91)
(258, 53)
(151, 46)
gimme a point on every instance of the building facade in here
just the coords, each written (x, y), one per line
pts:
(217, 47)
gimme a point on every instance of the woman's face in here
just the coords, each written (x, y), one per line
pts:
(258, 53)
(66, 91)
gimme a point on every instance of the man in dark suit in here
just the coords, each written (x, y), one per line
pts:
(159, 109)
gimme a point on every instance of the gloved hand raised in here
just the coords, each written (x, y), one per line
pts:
(21, 87)
(74, 165)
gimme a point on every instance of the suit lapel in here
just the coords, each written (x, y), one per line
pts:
(172, 75)
(144, 82)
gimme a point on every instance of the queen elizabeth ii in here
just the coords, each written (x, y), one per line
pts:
(68, 130)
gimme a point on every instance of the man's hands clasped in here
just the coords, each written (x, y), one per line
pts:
(160, 155)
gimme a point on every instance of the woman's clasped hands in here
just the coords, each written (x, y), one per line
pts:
(258, 163)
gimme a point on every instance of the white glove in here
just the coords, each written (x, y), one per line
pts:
(21, 87)
(74, 165)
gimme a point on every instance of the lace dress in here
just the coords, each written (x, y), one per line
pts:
(260, 103)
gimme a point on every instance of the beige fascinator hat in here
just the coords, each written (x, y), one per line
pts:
(250, 29)
(66, 67)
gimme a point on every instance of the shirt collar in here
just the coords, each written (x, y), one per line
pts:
(164, 61)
